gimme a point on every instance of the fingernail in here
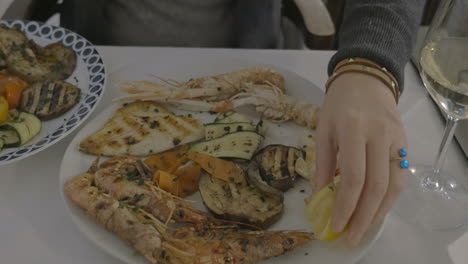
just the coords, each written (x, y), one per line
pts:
(354, 238)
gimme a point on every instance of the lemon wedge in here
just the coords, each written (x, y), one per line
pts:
(318, 211)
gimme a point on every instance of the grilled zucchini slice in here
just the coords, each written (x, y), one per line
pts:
(216, 130)
(240, 145)
(25, 125)
(9, 138)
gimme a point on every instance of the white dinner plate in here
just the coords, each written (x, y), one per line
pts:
(75, 163)
(89, 76)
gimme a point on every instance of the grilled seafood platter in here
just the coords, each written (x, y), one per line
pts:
(182, 173)
(32, 86)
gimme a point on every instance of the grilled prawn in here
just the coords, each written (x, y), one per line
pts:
(189, 245)
(124, 178)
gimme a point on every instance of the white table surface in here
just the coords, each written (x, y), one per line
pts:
(35, 228)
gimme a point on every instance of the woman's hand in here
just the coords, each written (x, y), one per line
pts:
(360, 121)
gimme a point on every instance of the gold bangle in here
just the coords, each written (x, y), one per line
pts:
(377, 73)
(366, 62)
(371, 64)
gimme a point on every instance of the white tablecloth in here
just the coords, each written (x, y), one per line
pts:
(35, 228)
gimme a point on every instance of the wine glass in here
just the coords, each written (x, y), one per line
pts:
(442, 199)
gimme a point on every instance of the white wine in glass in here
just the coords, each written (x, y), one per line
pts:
(444, 69)
(440, 201)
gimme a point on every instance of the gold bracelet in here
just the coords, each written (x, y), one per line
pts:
(369, 63)
(392, 84)
(377, 73)
(366, 62)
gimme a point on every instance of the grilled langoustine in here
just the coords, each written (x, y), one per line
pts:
(188, 245)
(260, 87)
(210, 88)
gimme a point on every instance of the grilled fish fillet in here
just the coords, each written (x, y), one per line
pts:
(140, 129)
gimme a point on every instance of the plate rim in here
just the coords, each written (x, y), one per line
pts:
(77, 124)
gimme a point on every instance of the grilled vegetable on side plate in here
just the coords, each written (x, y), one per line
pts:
(11, 87)
(20, 130)
(240, 202)
(9, 38)
(3, 109)
(277, 165)
(49, 99)
(58, 58)
(240, 145)
(9, 138)
(34, 63)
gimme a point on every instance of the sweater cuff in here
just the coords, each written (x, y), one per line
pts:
(382, 32)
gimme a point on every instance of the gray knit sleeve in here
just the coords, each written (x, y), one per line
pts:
(383, 31)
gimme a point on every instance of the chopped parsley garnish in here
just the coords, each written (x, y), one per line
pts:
(138, 197)
(132, 176)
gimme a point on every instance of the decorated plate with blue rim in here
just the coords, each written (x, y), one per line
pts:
(89, 76)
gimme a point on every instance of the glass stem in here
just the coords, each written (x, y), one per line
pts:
(432, 180)
(448, 135)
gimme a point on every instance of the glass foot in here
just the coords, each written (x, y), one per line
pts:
(435, 201)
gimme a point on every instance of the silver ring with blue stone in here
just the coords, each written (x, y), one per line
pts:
(404, 164)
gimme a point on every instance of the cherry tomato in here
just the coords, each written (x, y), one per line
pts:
(3, 109)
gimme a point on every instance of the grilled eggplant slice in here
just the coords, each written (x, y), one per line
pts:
(241, 202)
(49, 99)
(254, 178)
(277, 165)
(58, 58)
